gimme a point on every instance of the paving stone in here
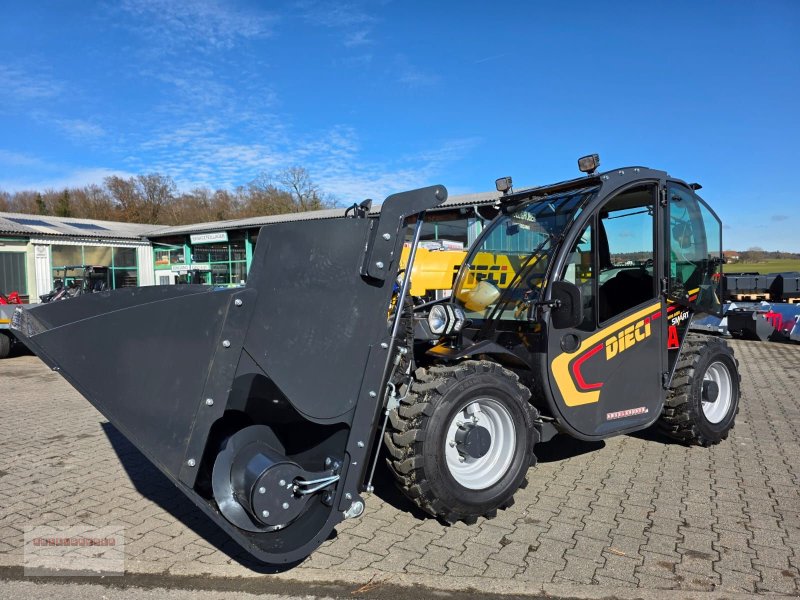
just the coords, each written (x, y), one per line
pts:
(636, 512)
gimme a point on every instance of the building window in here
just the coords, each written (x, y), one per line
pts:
(13, 276)
(122, 263)
(164, 258)
(227, 261)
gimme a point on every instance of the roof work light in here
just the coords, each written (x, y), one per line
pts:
(588, 164)
(503, 185)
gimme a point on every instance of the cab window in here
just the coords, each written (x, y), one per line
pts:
(694, 237)
(626, 250)
(579, 270)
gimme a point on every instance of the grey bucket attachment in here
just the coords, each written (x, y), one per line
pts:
(260, 403)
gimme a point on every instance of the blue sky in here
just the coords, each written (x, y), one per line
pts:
(377, 97)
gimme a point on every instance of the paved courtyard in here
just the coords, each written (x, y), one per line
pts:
(633, 512)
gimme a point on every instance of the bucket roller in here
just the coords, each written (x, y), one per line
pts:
(260, 402)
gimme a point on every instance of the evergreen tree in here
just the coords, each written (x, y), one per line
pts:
(41, 207)
(62, 206)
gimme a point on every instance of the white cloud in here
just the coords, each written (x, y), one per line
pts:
(355, 23)
(215, 154)
(357, 38)
(19, 159)
(341, 170)
(412, 75)
(18, 86)
(78, 177)
(335, 14)
(207, 23)
(80, 130)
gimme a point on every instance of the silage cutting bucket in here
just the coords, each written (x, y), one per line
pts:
(261, 402)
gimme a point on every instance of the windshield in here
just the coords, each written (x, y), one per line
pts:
(505, 270)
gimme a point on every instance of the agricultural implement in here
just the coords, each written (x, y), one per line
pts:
(7, 306)
(279, 394)
(75, 280)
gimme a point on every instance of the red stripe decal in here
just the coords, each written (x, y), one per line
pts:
(576, 369)
(657, 315)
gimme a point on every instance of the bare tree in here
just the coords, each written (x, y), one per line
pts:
(93, 202)
(262, 197)
(141, 199)
(305, 193)
(124, 196)
(153, 198)
(157, 191)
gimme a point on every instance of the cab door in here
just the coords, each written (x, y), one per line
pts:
(606, 372)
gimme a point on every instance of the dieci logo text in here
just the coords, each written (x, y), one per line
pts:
(625, 338)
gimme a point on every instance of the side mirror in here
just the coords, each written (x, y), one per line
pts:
(568, 312)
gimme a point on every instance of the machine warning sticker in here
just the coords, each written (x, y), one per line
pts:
(621, 414)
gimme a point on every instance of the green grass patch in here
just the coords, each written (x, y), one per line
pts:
(768, 266)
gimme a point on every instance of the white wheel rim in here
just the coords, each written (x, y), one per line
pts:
(484, 472)
(719, 374)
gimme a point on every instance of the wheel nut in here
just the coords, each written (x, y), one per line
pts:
(285, 505)
(265, 513)
(262, 490)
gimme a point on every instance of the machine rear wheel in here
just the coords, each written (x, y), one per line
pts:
(461, 441)
(702, 403)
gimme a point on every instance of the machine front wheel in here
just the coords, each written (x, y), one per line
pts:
(703, 401)
(461, 441)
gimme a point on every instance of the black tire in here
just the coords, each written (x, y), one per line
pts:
(683, 417)
(5, 345)
(417, 438)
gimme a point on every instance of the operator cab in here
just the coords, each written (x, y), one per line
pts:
(589, 286)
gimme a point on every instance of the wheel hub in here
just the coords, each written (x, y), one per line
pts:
(717, 392)
(710, 391)
(480, 443)
(473, 441)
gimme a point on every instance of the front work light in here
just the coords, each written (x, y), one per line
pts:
(503, 185)
(588, 164)
(446, 319)
(437, 319)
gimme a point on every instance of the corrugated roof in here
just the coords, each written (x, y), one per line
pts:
(37, 225)
(311, 215)
(480, 198)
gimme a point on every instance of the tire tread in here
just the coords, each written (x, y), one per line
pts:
(408, 426)
(678, 419)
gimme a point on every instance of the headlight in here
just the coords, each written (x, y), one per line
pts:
(446, 319)
(437, 319)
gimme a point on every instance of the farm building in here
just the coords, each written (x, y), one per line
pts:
(35, 248)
